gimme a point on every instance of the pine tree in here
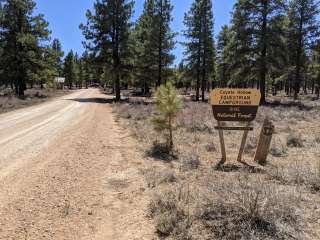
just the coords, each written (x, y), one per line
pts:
(47, 68)
(69, 69)
(315, 71)
(145, 47)
(23, 34)
(241, 54)
(2, 43)
(200, 49)
(303, 29)
(57, 51)
(86, 62)
(223, 64)
(253, 29)
(145, 63)
(107, 34)
(164, 37)
(168, 105)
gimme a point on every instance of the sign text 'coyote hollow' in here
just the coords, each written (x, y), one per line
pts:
(239, 105)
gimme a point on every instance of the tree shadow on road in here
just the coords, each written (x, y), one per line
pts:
(94, 100)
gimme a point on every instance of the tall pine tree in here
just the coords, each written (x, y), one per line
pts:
(303, 32)
(70, 69)
(57, 51)
(145, 48)
(2, 63)
(223, 64)
(200, 51)
(253, 28)
(164, 37)
(23, 34)
(107, 34)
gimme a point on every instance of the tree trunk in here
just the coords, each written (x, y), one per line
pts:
(116, 57)
(198, 85)
(170, 134)
(263, 69)
(298, 57)
(159, 82)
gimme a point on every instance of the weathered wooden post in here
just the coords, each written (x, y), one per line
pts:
(264, 142)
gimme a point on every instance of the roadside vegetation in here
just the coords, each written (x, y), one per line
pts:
(9, 102)
(192, 200)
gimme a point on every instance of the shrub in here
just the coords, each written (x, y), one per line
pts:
(248, 209)
(190, 162)
(168, 105)
(211, 147)
(155, 177)
(162, 152)
(295, 140)
(165, 210)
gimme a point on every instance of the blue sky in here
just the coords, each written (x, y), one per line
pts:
(65, 16)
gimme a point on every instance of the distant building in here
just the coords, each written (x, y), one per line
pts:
(59, 81)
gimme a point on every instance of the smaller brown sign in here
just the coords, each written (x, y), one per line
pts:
(240, 105)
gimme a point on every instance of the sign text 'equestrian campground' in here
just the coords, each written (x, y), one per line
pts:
(239, 105)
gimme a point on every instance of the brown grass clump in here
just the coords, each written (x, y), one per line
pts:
(168, 213)
(231, 210)
(155, 177)
(250, 209)
(190, 162)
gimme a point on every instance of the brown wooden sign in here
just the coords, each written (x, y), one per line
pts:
(239, 105)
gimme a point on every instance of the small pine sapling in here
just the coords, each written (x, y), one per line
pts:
(168, 106)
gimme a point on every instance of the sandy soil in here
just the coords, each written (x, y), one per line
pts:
(68, 171)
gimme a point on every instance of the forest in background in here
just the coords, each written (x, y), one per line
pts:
(272, 45)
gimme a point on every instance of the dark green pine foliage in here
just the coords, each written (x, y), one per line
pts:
(81, 73)
(164, 38)
(58, 54)
(145, 54)
(48, 68)
(200, 50)
(278, 60)
(23, 34)
(86, 68)
(303, 32)
(107, 34)
(240, 51)
(3, 80)
(315, 71)
(223, 64)
(70, 69)
(252, 23)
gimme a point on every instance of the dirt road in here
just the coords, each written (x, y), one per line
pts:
(68, 171)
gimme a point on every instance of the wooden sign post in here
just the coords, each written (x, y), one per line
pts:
(234, 105)
(264, 142)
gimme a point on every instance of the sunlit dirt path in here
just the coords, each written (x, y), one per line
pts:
(68, 171)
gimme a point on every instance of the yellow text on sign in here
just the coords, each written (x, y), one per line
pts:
(235, 97)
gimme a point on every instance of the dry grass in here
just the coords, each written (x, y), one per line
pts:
(9, 102)
(201, 203)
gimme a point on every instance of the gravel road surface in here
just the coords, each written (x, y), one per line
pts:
(68, 171)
